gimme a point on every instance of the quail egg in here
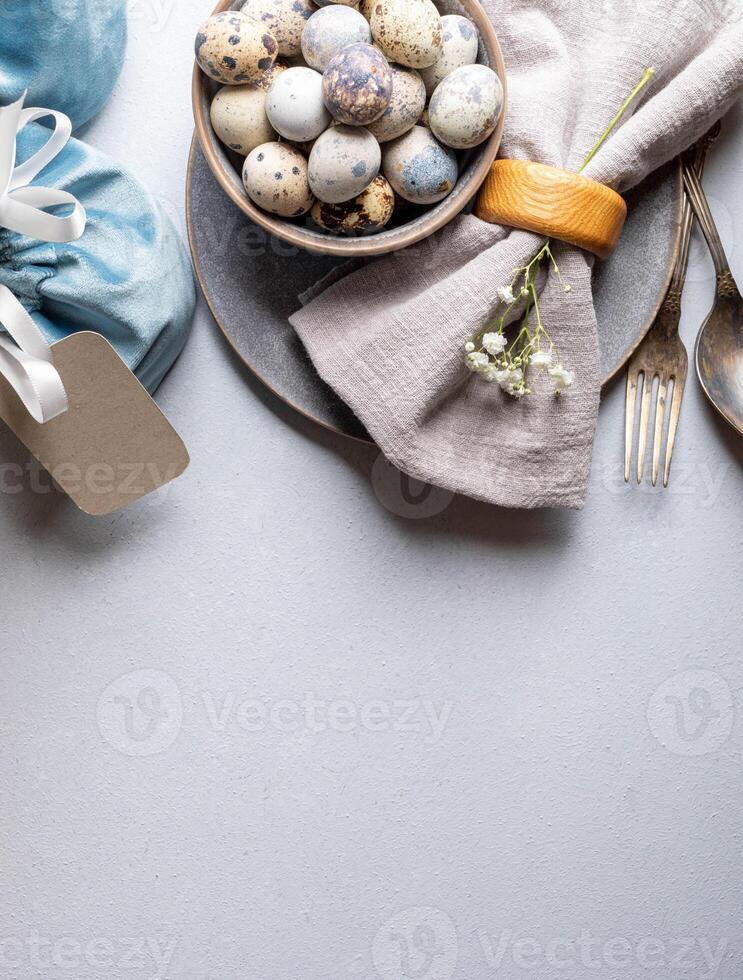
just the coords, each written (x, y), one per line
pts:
(294, 104)
(357, 85)
(419, 168)
(460, 48)
(405, 107)
(284, 19)
(275, 178)
(465, 107)
(233, 48)
(341, 3)
(408, 31)
(365, 214)
(238, 114)
(330, 30)
(343, 162)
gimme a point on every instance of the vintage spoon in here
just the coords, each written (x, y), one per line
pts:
(719, 347)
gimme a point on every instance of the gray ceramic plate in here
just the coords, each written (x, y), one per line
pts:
(251, 282)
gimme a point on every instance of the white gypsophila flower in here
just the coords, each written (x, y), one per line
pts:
(494, 343)
(561, 376)
(490, 373)
(477, 361)
(541, 359)
(505, 295)
(469, 347)
(510, 378)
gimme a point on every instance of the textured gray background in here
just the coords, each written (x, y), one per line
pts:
(292, 718)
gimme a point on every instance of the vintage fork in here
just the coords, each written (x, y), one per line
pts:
(662, 355)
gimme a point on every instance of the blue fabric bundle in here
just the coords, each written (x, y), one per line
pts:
(128, 277)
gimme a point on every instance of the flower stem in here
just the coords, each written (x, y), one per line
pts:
(649, 72)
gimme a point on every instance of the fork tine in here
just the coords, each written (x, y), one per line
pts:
(660, 414)
(629, 420)
(647, 388)
(678, 393)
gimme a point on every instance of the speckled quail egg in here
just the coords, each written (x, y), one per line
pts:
(460, 48)
(238, 114)
(465, 107)
(405, 108)
(343, 162)
(419, 168)
(233, 48)
(357, 85)
(408, 31)
(283, 19)
(339, 3)
(266, 80)
(330, 30)
(294, 104)
(275, 178)
(365, 214)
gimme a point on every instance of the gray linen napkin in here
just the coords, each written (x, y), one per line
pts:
(389, 337)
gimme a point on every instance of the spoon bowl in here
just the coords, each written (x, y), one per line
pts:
(719, 357)
(719, 346)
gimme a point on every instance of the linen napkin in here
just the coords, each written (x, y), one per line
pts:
(389, 337)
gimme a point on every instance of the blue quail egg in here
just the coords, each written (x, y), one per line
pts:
(419, 168)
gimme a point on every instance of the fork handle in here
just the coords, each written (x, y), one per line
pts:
(698, 155)
(700, 205)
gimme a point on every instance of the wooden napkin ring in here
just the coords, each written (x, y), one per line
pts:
(553, 202)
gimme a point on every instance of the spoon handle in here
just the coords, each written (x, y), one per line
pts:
(700, 205)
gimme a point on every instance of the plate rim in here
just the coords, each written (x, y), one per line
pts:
(195, 145)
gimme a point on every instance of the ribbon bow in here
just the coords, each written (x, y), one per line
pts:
(25, 356)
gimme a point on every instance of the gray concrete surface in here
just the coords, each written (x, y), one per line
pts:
(290, 718)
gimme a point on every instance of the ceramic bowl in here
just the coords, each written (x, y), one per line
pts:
(410, 223)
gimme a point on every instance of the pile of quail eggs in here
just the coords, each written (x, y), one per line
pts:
(338, 109)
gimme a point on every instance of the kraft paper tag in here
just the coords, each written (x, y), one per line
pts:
(113, 445)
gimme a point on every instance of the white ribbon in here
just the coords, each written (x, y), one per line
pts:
(25, 357)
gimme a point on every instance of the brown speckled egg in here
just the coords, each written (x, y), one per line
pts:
(406, 105)
(343, 162)
(364, 215)
(460, 48)
(275, 178)
(284, 19)
(330, 30)
(357, 85)
(366, 7)
(466, 106)
(238, 114)
(419, 168)
(408, 31)
(266, 80)
(233, 48)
